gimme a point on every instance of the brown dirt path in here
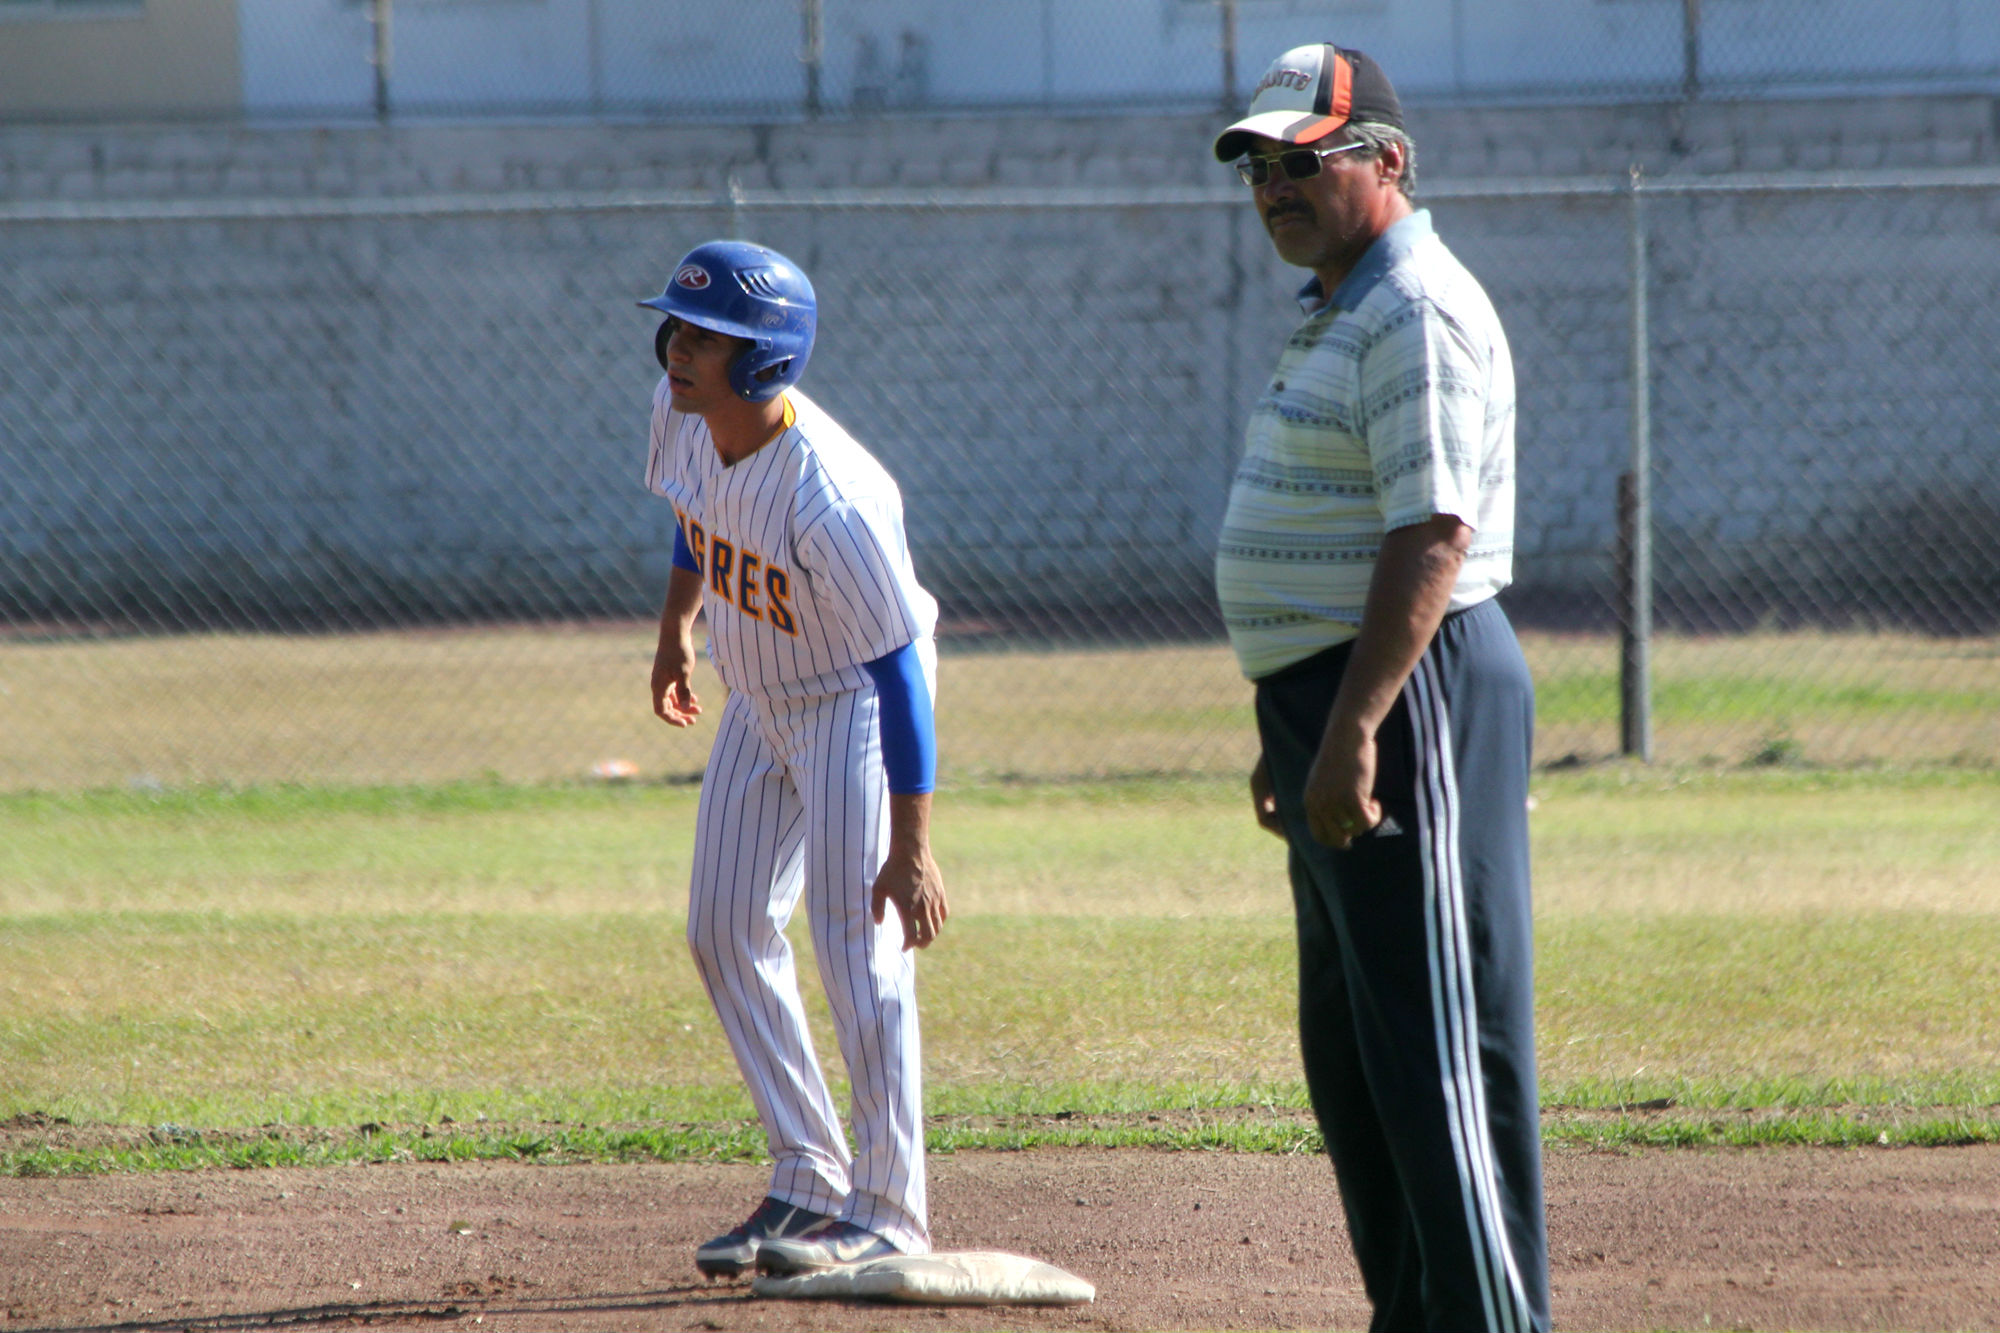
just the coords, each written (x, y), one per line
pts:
(1756, 1239)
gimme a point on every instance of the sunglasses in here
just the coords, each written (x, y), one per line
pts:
(1298, 163)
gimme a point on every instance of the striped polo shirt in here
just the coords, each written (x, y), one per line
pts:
(1393, 403)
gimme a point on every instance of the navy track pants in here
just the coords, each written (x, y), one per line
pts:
(1416, 982)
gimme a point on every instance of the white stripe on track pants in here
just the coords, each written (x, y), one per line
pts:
(795, 798)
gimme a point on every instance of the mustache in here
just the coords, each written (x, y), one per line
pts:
(1287, 209)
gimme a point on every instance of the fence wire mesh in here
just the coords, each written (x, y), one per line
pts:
(351, 492)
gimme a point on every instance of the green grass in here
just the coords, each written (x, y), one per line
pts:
(1622, 839)
(175, 1148)
(486, 969)
(1744, 1004)
(600, 1019)
(1748, 699)
(1136, 849)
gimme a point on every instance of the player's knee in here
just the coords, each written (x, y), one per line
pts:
(707, 936)
(714, 939)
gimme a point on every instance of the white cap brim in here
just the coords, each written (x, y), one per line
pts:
(1287, 126)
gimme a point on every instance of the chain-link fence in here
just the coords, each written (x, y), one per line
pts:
(350, 490)
(321, 59)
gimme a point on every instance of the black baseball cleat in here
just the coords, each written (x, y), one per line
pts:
(729, 1254)
(833, 1245)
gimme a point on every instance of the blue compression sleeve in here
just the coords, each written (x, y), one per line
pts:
(909, 740)
(683, 555)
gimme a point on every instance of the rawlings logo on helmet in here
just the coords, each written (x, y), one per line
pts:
(691, 276)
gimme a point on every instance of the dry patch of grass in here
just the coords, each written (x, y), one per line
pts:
(523, 703)
(1632, 843)
(538, 702)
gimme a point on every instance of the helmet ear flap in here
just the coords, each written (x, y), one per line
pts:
(760, 374)
(660, 336)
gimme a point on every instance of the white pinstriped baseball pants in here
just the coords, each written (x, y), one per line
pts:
(794, 799)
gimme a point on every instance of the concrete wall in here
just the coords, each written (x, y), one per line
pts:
(146, 161)
(442, 415)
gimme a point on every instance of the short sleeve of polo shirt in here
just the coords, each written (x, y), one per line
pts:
(1423, 412)
(856, 555)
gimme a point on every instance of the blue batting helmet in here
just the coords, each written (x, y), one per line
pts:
(750, 292)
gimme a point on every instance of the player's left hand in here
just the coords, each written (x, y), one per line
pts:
(910, 879)
(1339, 796)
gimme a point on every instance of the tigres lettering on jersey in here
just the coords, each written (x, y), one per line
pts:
(759, 589)
(806, 571)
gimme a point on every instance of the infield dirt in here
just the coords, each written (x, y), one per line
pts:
(1737, 1239)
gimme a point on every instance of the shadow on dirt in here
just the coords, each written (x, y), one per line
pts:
(694, 1299)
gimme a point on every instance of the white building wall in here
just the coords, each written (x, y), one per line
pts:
(745, 57)
(306, 56)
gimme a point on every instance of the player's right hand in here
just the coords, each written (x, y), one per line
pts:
(674, 700)
(1264, 799)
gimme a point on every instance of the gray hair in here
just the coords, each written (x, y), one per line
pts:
(1376, 135)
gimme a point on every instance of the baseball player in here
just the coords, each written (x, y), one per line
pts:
(790, 536)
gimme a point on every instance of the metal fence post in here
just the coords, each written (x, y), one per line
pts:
(378, 19)
(1228, 8)
(593, 36)
(1635, 521)
(1048, 53)
(1690, 49)
(814, 53)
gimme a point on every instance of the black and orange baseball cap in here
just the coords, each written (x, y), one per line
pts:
(1307, 94)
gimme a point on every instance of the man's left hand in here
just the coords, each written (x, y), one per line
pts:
(1339, 796)
(910, 879)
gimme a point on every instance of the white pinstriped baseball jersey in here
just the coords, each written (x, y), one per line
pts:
(806, 571)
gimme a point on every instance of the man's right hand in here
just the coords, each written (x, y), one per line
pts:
(674, 700)
(1264, 799)
(1340, 787)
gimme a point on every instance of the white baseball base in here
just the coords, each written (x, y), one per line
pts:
(962, 1277)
